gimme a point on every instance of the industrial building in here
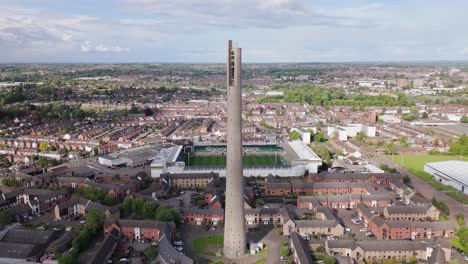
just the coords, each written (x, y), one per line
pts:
(452, 173)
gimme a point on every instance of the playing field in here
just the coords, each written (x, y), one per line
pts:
(248, 161)
(416, 162)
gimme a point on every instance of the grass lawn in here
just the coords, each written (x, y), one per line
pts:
(415, 164)
(248, 161)
(200, 244)
(103, 108)
(260, 261)
(456, 243)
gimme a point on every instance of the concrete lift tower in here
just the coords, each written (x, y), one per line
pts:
(234, 221)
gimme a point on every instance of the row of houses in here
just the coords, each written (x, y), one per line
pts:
(344, 201)
(331, 183)
(411, 226)
(22, 202)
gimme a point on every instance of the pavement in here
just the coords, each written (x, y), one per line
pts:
(426, 190)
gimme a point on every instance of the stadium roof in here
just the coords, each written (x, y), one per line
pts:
(302, 151)
(454, 169)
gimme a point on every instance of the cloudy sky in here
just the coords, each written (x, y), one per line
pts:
(267, 30)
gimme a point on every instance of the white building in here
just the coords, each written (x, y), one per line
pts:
(164, 159)
(305, 134)
(452, 173)
(302, 155)
(351, 130)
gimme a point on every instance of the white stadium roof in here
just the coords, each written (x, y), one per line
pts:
(303, 151)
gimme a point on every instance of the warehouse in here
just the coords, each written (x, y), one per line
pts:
(452, 173)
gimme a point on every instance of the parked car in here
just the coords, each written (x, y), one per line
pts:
(180, 249)
(207, 228)
(363, 229)
(369, 234)
(178, 243)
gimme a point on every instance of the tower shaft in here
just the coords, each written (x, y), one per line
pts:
(234, 229)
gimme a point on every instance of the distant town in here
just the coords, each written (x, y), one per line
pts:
(341, 163)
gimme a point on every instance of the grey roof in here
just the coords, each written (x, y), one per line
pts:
(377, 197)
(59, 245)
(198, 175)
(327, 211)
(418, 199)
(453, 169)
(18, 250)
(28, 236)
(316, 223)
(262, 211)
(341, 243)
(141, 223)
(186, 210)
(437, 256)
(392, 245)
(107, 247)
(347, 175)
(301, 249)
(169, 254)
(410, 209)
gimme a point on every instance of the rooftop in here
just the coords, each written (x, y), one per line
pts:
(454, 169)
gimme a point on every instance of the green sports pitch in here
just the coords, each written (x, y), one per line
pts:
(248, 161)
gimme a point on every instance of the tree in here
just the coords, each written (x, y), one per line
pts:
(148, 111)
(424, 115)
(108, 200)
(151, 253)
(43, 146)
(464, 119)
(96, 151)
(284, 249)
(399, 111)
(6, 217)
(319, 137)
(94, 220)
(294, 135)
(127, 204)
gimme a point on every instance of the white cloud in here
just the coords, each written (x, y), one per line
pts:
(465, 51)
(87, 46)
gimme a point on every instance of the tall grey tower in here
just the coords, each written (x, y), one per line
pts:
(234, 228)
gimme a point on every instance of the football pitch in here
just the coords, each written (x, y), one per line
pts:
(248, 161)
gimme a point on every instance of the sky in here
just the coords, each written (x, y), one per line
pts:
(190, 31)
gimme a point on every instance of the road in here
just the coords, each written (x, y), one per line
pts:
(426, 190)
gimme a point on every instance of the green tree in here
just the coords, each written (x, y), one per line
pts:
(399, 111)
(108, 200)
(284, 249)
(127, 204)
(464, 119)
(43, 146)
(96, 151)
(319, 137)
(294, 135)
(151, 253)
(6, 217)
